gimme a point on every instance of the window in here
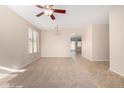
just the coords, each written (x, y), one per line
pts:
(79, 43)
(33, 41)
(73, 45)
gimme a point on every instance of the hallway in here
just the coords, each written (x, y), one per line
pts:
(64, 72)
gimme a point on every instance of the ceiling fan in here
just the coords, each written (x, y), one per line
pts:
(48, 10)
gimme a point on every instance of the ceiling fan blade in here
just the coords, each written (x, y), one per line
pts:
(52, 17)
(59, 11)
(38, 15)
(39, 6)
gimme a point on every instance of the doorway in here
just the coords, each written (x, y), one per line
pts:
(76, 44)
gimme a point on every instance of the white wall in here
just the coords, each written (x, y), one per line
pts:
(87, 43)
(14, 40)
(100, 42)
(117, 40)
(53, 45)
(95, 42)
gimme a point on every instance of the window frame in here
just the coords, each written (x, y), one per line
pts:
(33, 41)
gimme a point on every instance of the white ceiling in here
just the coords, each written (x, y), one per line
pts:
(76, 16)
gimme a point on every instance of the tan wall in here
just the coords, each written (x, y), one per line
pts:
(117, 40)
(57, 45)
(14, 40)
(95, 42)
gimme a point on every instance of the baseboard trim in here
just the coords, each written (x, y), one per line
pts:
(87, 58)
(7, 74)
(100, 60)
(90, 59)
(116, 72)
(55, 56)
(29, 63)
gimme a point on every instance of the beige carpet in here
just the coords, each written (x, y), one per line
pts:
(64, 73)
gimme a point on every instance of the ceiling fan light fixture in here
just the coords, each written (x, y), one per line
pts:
(48, 12)
(47, 6)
